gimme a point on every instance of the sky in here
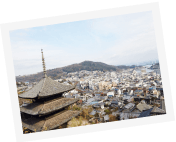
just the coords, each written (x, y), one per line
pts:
(117, 40)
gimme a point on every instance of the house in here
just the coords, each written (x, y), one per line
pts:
(145, 113)
(116, 113)
(106, 118)
(131, 92)
(143, 106)
(93, 112)
(131, 99)
(76, 96)
(129, 111)
(97, 95)
(129, 106)
(21, 89)
(74, 91)
(114, 103)
(110, 94)
(90, 100)
(126, 97)
(138, 92)
(157, 111)
(99, 105)
(26, 83)
(125, 93)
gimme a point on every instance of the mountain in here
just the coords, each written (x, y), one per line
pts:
(58, 72)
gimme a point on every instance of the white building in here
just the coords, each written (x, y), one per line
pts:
(113, 74)
(110, 93)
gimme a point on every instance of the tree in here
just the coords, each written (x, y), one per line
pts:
(107, 111)
(96, 115)
(112, 118)
(153, 98)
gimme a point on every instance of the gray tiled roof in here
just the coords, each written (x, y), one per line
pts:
(93, 112)
(49, 123)
(162, 105)
(129, 106)
(158, 110)
(145, 113)
(42, 108)
(106, 117)
(143, 106)
(46, 87)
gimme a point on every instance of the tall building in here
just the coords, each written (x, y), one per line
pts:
(47, 111)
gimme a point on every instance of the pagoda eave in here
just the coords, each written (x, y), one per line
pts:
(40, 108)
(49, 123)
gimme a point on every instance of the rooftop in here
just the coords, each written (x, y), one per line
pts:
(49, 123)
(46, 87)
(42, 108)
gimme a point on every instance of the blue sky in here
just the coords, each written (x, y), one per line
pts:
(118, 40)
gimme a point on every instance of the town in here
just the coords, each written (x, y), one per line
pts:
(105, 96)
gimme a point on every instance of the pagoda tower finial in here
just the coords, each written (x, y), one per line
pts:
(43, 62)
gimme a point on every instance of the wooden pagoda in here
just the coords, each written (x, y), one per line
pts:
(47, 111)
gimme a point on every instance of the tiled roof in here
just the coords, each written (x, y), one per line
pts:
(143, 106)
(129, 106)
(93, 112)
(145, 113)
(42, 108)
(38, 124)
(46, 87)
(106, 117)
(158, 110)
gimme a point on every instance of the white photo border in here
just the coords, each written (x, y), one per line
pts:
(5, 28)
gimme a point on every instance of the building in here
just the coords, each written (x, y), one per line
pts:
(47, 111)
(110, 94)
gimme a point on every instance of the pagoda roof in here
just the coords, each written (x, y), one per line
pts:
(43, 108)
(51, 122)
(45, 88)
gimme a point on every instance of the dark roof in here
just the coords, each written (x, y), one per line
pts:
(49, 123)
(145, 113)
(160, 89)
(46, 87)
(114, 102)
(42, 108)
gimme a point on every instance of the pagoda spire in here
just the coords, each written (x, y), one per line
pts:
(43, 62)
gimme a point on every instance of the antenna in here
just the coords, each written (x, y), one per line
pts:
(43, 63)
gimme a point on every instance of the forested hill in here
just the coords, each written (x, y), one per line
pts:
(58, 72)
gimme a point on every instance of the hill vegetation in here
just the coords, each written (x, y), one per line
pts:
(58, 72)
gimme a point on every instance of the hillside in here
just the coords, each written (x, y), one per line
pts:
(58, 72)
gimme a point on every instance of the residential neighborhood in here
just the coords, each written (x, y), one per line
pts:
(112, 95)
